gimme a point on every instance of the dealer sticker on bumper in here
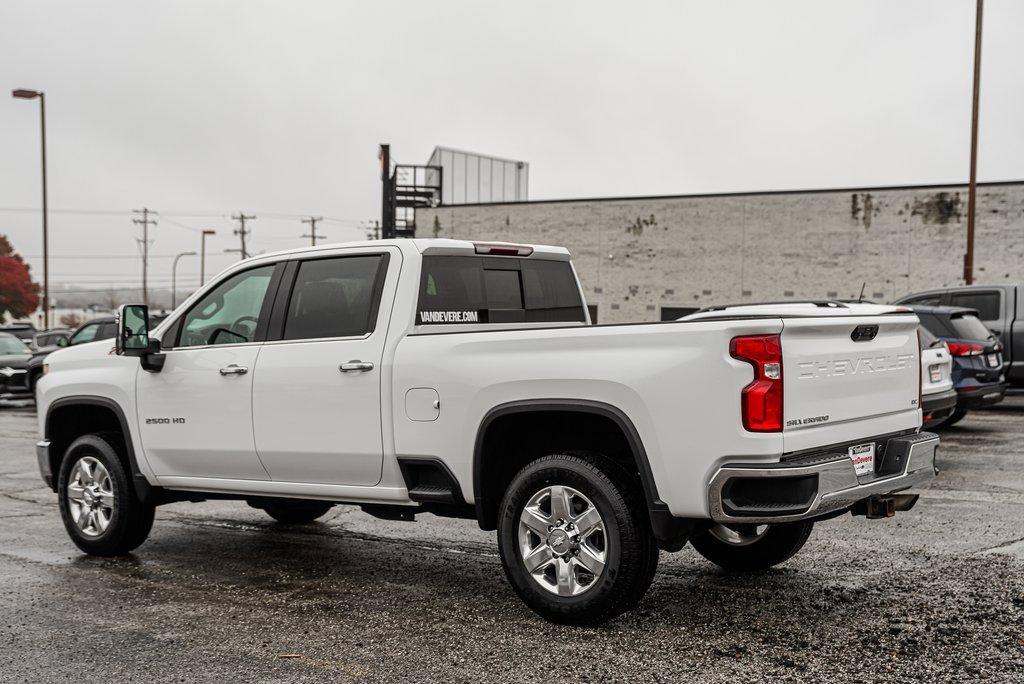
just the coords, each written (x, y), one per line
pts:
(863, 457)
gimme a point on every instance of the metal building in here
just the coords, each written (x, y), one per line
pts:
(470, 178)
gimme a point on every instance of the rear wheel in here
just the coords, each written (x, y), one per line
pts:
(749, 548)
(100, 509)
(296, 512)
(575, 540)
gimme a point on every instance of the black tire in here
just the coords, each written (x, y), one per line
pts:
(130, 520)
(776, 545)
(296, 512)
(629, 547)
(954, 418)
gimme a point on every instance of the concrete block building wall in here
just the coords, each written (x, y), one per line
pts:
(636, 256)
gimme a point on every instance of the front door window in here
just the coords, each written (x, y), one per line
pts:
(229, 313)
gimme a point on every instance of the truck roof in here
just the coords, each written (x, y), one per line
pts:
(438, 246)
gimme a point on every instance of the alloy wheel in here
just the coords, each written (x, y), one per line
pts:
(90, 495)
(562, 540)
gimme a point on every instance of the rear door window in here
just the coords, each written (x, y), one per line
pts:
(456, 289)
(335, 297)
(969, 327)
(936, 325)
(988, 304)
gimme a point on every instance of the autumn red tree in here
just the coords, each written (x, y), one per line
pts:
(19, 296)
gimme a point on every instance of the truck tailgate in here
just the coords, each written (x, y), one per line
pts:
(848, 378)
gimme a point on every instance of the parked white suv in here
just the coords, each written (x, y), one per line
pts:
(463, 379)
(938, 396)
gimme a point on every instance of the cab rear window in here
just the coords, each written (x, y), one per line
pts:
(466, 289)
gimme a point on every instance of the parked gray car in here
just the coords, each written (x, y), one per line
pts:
(1001, 309)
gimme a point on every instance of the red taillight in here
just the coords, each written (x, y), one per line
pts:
(761, 400)
(965, 348)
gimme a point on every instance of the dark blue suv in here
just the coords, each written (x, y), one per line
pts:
(977, 356)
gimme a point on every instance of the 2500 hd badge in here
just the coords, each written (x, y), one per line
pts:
(164, 421)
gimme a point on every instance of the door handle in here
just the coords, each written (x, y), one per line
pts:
(234, 370)
(356, 366)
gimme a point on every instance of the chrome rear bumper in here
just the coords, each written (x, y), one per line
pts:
(823, 483)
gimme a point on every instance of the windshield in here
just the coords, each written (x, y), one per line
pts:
(9, 344)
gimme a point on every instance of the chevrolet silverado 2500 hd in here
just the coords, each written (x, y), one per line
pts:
(463, 379)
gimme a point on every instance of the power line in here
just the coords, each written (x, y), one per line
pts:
(145, 222)
(282, 216)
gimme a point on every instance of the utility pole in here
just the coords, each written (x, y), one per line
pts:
(972, 189)
(241, 231)
(145, 222)
(312, 221)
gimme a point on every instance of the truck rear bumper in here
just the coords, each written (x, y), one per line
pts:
(816, 485)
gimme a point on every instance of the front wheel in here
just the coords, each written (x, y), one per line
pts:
(575, 540)
(750, 548)
(100, 509)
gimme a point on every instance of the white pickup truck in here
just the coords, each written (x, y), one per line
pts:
(463, 379)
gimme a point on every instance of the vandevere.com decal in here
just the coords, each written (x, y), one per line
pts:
(449, 316)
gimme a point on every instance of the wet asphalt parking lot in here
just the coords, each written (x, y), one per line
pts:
(221, 593)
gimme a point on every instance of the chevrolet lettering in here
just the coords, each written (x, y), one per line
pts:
(864, 364)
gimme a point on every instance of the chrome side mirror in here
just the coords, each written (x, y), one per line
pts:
(132, 330)
(133, 337)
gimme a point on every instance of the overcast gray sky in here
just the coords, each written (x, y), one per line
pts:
(200, 109)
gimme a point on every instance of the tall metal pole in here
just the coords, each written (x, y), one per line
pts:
(174, 279)
(25, 94)
(46, 232)
(202, 257)
(972, 189)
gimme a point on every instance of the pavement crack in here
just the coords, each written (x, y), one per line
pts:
(1001, 546)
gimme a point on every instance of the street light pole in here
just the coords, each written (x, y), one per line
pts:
(23, 94)
(202, 256)
(972, 186)
(174, 279)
